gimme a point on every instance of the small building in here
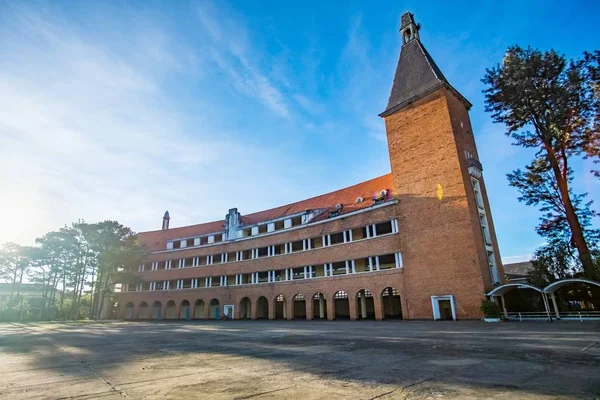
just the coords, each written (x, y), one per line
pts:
(416, 243)
(517, 272)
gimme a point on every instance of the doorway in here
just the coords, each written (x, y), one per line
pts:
(443, 308)
(228, 311)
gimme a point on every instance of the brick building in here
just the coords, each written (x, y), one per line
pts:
(417, 243)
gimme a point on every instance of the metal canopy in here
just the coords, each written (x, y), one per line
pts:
(501, 290)
(553, 287)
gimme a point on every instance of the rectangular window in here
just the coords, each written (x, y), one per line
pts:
(316, 243)
(246, 255)
(384, 228)
(297, 246)
(279, 225)
(339, 268)
(263, 252)
(263, 277)
(493, 268)
(276, 250)
(362, 265)
(477, 192)
(387, 261)
(484, 229)
(359, 233)
(336, 238)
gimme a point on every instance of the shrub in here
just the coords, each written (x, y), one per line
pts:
(491, 309)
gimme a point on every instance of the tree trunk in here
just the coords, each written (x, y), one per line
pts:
(573, 220)
(12, 287)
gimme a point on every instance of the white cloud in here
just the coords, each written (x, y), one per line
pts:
(87, 130)
(228, 46)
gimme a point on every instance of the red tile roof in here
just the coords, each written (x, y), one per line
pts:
(156, 240)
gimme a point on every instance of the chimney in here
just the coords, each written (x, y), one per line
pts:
(166, 219)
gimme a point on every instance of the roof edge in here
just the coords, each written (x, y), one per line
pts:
(418, 97)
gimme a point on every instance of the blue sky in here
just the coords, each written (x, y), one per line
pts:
(121, 110)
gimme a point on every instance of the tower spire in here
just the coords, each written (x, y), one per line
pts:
(417, 75)
(166, 219)
(409, 30)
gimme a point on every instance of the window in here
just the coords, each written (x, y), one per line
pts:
(263, 251)
(276, 250)
(384, 228)
(339, 268)
(477, 192)
(246, 255)
(336, 238)
(279, 225)
(340, 295)
(387, 261)
(297, 246)
(297, 273)
(493, 269)
(484, 229)
(177, 244)
(362, 265)
(263, 276)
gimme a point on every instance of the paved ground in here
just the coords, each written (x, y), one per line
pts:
(300, 360)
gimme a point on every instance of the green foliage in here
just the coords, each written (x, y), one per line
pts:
(552, 105)
(490, 309)
(73, 268)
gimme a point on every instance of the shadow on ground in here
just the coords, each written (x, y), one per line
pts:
(393, 359)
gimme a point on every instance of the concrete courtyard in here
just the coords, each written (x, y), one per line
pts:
(299, 360)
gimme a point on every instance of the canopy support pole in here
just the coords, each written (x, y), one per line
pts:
(504, 307)
(555, 306)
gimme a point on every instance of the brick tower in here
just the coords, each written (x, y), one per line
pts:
(444, 216)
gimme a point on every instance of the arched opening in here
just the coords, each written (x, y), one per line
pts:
(144, 312)
(280, 307)
(319, 306)
(129, 310)
(526, 302)
(575, 298)
(157, 310)
(390, 301)
(341, 305)
(262, 308)
(171, 311)
(185, 311)
(199, 309)
(299, 306)
(365, 305)
(245, 308)
(214, 309)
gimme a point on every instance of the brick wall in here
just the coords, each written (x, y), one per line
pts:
(439, 237)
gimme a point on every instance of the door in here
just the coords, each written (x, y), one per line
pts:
(187, 313)
(445, 310)
(228, 311)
